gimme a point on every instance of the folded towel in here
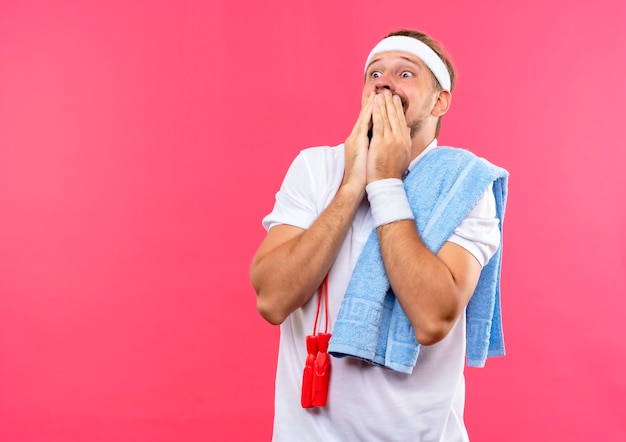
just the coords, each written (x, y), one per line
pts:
(442, 189)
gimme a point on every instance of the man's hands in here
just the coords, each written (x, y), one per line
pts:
(433, 290)
(356, 147)
(388, 153)
(390, 148)
(292, 262)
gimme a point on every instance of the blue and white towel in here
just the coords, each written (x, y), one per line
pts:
(443, 187)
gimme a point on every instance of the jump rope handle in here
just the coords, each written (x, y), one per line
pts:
(316, 375)
(321, 375)
(309, 369)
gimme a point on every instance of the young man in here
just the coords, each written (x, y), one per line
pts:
(331, 201)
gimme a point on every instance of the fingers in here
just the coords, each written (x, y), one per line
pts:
(399, 123)
(393, 113)
(389, 150)
(365, 116)
(363, 122)
(388, 115)
(378, 123)
(356, 145)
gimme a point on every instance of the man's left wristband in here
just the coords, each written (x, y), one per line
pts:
(388, 201)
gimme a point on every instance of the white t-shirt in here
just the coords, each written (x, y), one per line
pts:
(367, 402)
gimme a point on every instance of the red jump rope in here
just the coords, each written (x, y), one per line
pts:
(317, 366)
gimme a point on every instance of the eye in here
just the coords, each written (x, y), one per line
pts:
(375, 74)
(406, 74)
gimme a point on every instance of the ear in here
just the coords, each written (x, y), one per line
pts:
(444, 99)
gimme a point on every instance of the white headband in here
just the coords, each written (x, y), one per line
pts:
(420, 50)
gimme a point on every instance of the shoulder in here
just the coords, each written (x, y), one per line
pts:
(449, 156)
(459, 159)
(322, 154)
(321, 163)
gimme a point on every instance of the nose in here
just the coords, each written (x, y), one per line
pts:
(384, 82)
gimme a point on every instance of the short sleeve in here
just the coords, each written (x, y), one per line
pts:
(295, 203)
(479, 232)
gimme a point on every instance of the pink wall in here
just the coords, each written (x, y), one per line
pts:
(142, 142)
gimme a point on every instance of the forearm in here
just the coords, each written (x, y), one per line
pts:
(424, 284)
(286, 275)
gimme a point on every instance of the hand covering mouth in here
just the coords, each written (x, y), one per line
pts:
(405, 102)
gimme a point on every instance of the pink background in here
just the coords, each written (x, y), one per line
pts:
(142, 142)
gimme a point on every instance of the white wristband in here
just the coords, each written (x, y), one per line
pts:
(388, 201)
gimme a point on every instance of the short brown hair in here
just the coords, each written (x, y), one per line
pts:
(439, 50)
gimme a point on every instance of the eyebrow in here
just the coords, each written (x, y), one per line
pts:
(410, 60)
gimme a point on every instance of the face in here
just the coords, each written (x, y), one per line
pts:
(408, 77)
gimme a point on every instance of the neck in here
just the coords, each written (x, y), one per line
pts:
(419, 142)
